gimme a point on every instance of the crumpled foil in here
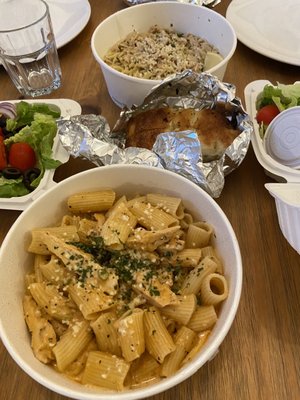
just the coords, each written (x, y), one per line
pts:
(208, 3)
(90, 137)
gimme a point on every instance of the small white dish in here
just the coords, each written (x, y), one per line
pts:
(68, 19)
(269, 27)
(282, 138)
(67, 107)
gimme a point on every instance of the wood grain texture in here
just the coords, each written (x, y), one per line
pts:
(260, 357)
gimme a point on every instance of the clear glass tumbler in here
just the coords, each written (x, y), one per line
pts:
(27, 46)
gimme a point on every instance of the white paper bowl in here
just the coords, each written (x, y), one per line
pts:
(46, 210)
(184, 18)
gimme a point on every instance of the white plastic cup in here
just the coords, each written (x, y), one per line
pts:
(27, 46)
(282, 138)
(287, 200)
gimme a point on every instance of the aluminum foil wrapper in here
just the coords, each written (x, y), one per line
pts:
(208, 3)
(90, 137)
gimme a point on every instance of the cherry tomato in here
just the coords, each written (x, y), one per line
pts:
(22, 156)
(266, 114)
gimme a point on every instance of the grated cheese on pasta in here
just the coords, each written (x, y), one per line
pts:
(158, 53)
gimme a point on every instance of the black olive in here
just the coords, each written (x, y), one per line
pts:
(29, 176)
(11, 173)
(2, 121)
(18, 129)
(7, 133)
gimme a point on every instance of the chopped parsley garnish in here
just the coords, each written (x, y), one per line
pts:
(124, 264)
(154, 291)
(84, 273)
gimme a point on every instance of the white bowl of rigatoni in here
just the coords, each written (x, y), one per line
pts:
(119, 282)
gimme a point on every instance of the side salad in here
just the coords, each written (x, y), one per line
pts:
(273, 100)
(27, 132)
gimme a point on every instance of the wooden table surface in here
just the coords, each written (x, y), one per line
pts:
(260, 357)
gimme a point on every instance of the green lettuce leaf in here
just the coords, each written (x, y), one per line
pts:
(35, 124)
(283, 96)
(40, 136)
(12, 187)
(26, 111)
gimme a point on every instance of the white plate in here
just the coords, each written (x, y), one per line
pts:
(69, 17)
(273, 168)
(67, 107)
(269, 27)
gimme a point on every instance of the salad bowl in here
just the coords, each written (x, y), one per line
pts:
(15, 202)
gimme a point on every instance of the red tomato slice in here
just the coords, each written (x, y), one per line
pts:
(266, 114)
(22, 156)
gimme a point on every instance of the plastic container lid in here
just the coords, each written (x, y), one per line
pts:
(282, 138)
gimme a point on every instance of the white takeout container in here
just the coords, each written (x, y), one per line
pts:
(201, 21)
(286, 192)
(67, 107)
(15, 262)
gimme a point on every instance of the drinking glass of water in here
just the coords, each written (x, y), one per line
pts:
(27, 46)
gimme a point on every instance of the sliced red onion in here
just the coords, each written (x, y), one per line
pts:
(8, 109)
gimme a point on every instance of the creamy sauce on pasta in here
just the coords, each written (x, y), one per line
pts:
(158, 53)
(125, 294)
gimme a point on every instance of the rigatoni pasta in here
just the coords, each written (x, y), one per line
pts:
(183, 341)
(159, 342)
(37, 245)
(131, 337)
(72, 343)
(172, 205)
(183, 311)
(43, 336)
(198, 235)
(106, 333)
(105, 370)
(91, 201)
(123, 292)
(203, 318)
(214, 289)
